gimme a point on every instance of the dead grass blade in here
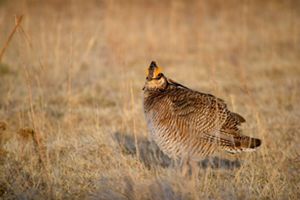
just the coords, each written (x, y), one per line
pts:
(18, 20)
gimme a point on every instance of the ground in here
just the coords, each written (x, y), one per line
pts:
(71, 83)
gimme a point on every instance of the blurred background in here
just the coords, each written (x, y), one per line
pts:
(71, 78)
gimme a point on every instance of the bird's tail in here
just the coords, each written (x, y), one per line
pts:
(243, 144)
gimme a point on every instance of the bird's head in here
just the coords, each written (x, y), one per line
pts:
(155, 79)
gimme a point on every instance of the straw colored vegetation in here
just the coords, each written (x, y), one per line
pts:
(71, 78)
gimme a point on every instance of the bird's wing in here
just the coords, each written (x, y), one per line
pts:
(204, 116)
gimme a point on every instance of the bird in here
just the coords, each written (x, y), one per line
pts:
(188, 124)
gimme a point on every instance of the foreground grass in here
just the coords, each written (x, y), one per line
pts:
(70, 97)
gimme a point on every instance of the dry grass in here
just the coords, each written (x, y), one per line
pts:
(71, 102)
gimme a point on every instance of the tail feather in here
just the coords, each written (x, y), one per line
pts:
(243, 144)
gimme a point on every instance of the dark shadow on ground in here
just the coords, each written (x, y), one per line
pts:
(150, 154)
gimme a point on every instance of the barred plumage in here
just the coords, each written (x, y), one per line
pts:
(187, 123)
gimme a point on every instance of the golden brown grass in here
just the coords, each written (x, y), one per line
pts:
(71, 101)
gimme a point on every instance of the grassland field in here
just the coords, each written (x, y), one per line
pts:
(71, 78)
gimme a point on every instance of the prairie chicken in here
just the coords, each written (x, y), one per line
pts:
(189, 124)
